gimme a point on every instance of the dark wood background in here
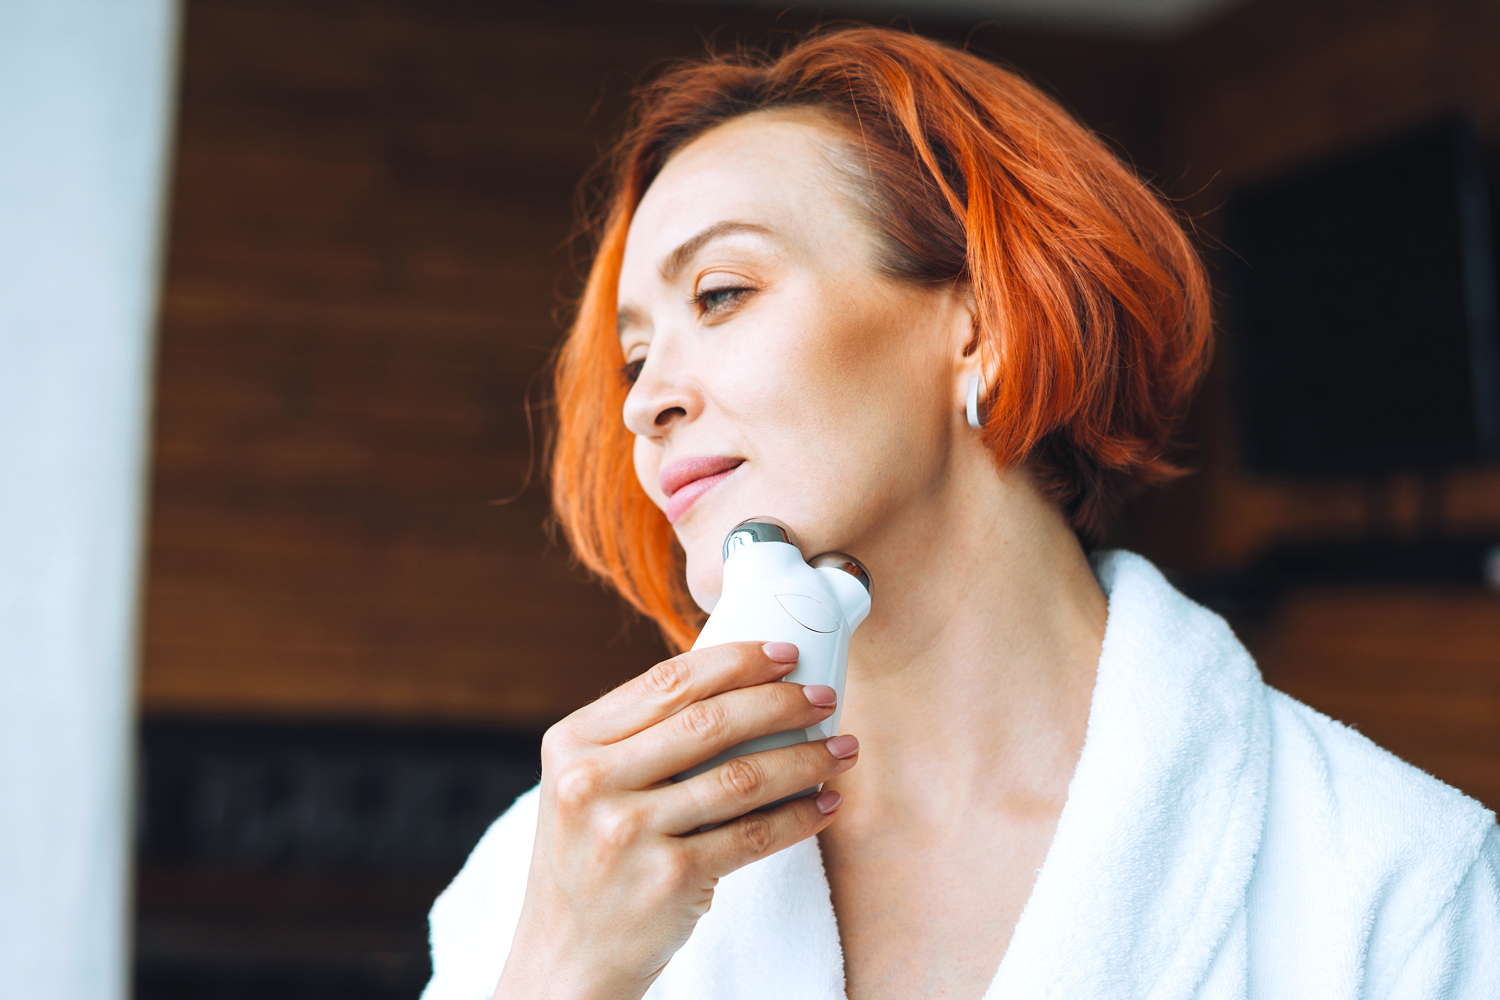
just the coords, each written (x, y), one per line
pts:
(367, 262)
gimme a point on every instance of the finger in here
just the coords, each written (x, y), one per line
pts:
(735, 844)
(742, 784)
(674, 684)
(708, 727)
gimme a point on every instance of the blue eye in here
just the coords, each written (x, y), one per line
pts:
(712, 300)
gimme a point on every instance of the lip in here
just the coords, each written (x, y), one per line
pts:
(687, 479)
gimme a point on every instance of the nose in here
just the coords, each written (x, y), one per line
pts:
(662, 397)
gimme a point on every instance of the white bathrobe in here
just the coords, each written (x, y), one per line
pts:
(1219, 840)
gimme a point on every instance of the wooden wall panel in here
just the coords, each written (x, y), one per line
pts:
(368, 208)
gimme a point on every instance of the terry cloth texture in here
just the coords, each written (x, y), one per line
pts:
(1219, 840)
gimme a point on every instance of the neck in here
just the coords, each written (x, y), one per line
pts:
(970, 683)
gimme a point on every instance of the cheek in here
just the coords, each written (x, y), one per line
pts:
(647, 458)
(862, 393)
(853, 425)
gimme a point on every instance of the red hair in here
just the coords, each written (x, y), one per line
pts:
(1093, 315)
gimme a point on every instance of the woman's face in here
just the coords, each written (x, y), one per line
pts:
(777, 372)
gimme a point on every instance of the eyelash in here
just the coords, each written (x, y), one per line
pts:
(731, 293)
(630, 372)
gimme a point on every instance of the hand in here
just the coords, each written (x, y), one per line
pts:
(619, 873)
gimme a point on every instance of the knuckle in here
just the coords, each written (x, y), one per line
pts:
(669, 678)
(672, 872)
(758, 832)
(578, 784)
(704, 720)
(742, 777)
(555, 740)
(620, 827)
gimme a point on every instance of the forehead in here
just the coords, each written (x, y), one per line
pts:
(783, 170)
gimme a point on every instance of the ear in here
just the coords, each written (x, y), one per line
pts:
(965, 349)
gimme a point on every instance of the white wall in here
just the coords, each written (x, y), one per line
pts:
(84, 116)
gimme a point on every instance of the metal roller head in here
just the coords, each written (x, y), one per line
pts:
(757, 529)
(847, 563)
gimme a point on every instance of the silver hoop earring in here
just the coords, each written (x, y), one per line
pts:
(973, 404)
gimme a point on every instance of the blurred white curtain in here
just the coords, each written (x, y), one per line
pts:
(85, 99)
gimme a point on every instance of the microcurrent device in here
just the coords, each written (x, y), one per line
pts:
(771, 595)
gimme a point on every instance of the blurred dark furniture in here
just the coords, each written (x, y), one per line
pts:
(299, 859)
(1366, 311)
(1365, 343)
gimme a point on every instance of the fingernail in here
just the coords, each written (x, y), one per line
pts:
(843, 747)
(781, 652)
(821, 695)
(828, 801)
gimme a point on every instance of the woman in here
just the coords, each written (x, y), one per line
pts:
(1056, 777)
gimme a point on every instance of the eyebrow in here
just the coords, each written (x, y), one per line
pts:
(673, 263)
(627, 317)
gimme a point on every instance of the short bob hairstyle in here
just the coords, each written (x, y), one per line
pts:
(1093, 315)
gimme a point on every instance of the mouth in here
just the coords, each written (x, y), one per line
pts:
(687, 479)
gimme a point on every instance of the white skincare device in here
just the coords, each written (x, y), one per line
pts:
(771, 595)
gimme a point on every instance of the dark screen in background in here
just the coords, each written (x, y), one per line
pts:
(1361, 340)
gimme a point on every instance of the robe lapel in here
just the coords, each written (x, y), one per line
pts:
(1141, 892)
(770, 935)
